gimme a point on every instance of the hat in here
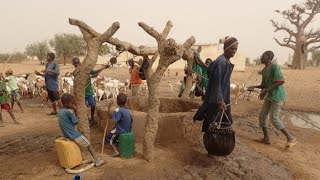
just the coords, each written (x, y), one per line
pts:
(229, 42)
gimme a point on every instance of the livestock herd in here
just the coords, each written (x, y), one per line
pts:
(104, 87)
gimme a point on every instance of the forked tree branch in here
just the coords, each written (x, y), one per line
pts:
(284, 44)
(110, 32)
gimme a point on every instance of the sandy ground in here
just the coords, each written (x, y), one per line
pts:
(27, 150)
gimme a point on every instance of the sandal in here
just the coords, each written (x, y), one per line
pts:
(263, 141)
(290, 144)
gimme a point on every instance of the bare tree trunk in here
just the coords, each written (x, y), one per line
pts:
(151, 126)
(82, 74)
(299, 56)
(64, 59)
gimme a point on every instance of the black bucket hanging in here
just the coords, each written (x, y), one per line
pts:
(219, 139)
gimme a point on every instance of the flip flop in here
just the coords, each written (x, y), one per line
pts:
(290, 144)
(263, 141)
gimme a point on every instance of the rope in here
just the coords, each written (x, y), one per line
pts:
(200, 75)
(275, 103)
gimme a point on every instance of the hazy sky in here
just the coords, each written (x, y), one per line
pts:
(26, 21)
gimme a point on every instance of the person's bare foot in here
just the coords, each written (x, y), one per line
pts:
(16, 122)
(115, 154)
(99, 162)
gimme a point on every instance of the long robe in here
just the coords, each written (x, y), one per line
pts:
(218, 90)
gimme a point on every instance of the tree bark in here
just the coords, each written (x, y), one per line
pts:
(81, 76)
(151, 126)
(82, 73)
(300, 52)
(64, 59)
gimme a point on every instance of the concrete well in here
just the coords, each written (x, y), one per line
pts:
(175, 118)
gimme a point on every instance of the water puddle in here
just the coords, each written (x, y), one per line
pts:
(305, 120)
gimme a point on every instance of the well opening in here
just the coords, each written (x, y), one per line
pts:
(175, 117)
(167, 105)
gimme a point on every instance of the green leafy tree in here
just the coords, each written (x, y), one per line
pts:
(68, 45)
(316, 58)
(37, 49)
(257, 61)
(16, 57)
(104, 50)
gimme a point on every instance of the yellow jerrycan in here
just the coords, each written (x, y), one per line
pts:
(69, 153)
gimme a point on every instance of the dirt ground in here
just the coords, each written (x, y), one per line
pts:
(27, 151)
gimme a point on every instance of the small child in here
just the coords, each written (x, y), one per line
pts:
(12, 88)
(4, 102)
(123, 119)
(68, 120)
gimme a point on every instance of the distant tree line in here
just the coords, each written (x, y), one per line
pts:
(313, 62)
(66, 46)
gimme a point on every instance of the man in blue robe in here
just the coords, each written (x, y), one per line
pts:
(217, 97)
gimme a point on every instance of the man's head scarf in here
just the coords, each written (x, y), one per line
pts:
(229, 42)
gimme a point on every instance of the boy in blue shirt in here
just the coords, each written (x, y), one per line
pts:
(67, 122)
(123, 119)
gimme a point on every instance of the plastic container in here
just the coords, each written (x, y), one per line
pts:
(68, 152)
(126, 144)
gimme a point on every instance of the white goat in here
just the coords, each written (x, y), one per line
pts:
(67, 84)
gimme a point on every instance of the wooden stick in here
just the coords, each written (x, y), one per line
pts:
(104, 136)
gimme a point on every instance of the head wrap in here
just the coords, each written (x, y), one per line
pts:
(229, 42)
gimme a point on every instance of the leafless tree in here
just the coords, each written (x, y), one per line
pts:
(168, 51)
(300, 37)
(94, 40)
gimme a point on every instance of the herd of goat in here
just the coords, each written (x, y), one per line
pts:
(104, 87)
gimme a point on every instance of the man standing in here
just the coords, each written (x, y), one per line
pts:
(274, 95)
(51, 74)
(89, 93)
(217, 96)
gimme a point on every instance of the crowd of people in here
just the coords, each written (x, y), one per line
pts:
(213, 84)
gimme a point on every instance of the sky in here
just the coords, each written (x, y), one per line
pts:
(26, 21)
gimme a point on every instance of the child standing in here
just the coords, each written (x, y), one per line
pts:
(68, 120)
(123, 119)
(4, 102)
(12, 88)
